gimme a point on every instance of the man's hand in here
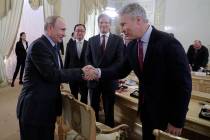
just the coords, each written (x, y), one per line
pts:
(173, 130)
(90, 72)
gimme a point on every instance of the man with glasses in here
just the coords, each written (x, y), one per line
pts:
(75, 58)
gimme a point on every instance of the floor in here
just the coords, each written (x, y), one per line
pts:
(8, 123)
(9, 128)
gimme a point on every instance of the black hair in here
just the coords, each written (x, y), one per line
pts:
(79, 25)
(72, 34)
(21, 34)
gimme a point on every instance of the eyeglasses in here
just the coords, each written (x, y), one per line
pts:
(80, 31)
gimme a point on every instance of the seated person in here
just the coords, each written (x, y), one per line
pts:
(197, 55)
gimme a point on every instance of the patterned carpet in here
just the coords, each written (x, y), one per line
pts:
(9, 129)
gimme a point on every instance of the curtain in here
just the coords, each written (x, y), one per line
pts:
(88, 7)
(8, 28)
(159, 12)
(5, 6)
(35, 4)
(92, 24)
(89, 12)
(51, 7)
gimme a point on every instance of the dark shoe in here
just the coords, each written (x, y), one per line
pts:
(12, 85)
(20, 82)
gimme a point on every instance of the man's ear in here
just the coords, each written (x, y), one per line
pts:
(138, 19)
(50, 27)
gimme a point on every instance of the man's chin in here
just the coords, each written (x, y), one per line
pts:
(130, 38)
(60, 40)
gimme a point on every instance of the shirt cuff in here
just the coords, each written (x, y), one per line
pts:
(99, 72)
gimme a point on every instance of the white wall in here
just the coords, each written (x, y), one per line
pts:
(70, 12)
(189, 20)
(32, 23)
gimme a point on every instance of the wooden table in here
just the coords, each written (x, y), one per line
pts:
(126, 112)
(201, 83)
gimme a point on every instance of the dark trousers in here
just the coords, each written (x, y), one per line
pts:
(108, 96)
(148, 124)
(19, 66)
(79, 87)
(33, 132)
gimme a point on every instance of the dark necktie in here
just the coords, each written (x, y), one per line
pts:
(103, 44)
(140, 54)
(57, 55)
(141, 63)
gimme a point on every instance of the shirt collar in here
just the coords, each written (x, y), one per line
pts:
(106, 35)
(80, 41)
(146, 35)
(51, 41)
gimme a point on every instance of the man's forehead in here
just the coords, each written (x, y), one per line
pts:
(60, 21)
(104, 19)
(80, 27)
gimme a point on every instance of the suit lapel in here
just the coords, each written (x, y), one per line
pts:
(106, 48)
(26, 45)
(150, 47)
(83, 49)
(108, 45)
(75, 49)
(134, 51)
(97, 49)
(60, 59)
(49, 45)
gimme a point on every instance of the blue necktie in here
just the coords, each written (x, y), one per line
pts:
(57, 55)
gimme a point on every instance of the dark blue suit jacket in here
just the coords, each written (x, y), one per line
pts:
(40, 100)
(111, 59)
(72, 59)
(165, 81)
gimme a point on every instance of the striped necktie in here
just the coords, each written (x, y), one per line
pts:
(57, 55)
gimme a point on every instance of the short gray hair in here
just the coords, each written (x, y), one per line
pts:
(134, 9)
(104, 15)
(50, 21)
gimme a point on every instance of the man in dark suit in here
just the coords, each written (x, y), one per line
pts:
(160, 63)
(40, 100)
(105, 50)
(61, 47)
(20, 50)
(198, 55)
(75, 58)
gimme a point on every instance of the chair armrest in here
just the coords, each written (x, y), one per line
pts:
(159, 133)
(103, 129)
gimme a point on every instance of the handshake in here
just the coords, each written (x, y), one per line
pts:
(91, 73)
